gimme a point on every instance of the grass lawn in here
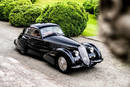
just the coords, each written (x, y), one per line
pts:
(90, 30)
(92, 27)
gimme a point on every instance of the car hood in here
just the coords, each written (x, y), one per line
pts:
(62, 40)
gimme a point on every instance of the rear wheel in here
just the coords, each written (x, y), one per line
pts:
(63, 64)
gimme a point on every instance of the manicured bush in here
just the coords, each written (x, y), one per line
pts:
(70, 16)
(24, 15)
(1, 11)
(33, 1)
(90, 5)
(1, 1)
(3, 4)
(96, 11)
(12, 5)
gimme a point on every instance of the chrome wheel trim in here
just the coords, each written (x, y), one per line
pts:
(62, 63)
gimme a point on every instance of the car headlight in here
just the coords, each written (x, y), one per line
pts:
(91, 49)
(76, 53)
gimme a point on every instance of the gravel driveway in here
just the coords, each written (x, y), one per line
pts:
(109, 73)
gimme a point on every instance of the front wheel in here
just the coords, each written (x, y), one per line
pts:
(63, 65)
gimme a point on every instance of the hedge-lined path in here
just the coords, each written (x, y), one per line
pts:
(110, 73)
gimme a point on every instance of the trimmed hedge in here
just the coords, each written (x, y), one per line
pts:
(12, 5)
(96, 11)
(88, 7)
(3, 4)
(24, 15)
(1, 11)
(91, 5)
(33, 1)
(70, 16)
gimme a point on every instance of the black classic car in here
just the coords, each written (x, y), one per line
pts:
(48, 41)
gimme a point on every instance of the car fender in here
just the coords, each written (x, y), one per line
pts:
(67, 53)
(96, 49)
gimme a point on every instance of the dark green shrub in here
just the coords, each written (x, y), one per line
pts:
(24, 15)
(6, 0)
(14, 4)
(70, 16)
(1, 1)
(3, 4)
(1, 11)
(33, 1)
(96, 11)
(89, 5)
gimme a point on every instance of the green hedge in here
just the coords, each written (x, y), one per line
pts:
(24, 15)
(33, 1)
(3, 4)
(12, 5)
(90, 5)
(1, 11)
(70, 16)
(96, 10)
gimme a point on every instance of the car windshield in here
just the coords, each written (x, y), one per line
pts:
(50, 30)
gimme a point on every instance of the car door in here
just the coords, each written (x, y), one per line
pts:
(34, 39)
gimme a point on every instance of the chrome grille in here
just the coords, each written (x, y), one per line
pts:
(84, 55)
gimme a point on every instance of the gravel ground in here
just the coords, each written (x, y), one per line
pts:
(109, 73)
(14, 74)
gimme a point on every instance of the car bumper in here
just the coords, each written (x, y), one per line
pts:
(97, 61)
(84, 65)
(16, 44)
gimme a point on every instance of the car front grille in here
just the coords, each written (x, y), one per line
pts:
(84, 55)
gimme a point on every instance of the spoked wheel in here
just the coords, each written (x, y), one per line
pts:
(63, 65)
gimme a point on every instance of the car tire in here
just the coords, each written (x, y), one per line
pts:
(63, 65)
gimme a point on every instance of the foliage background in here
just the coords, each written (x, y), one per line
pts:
(92, 26)
(24, 15)
(70, 16)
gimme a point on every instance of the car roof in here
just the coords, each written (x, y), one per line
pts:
(41, 25)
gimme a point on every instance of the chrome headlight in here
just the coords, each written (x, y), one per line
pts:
(76, 53)
(91, 49)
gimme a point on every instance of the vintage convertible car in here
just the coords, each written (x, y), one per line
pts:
(48, 41)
